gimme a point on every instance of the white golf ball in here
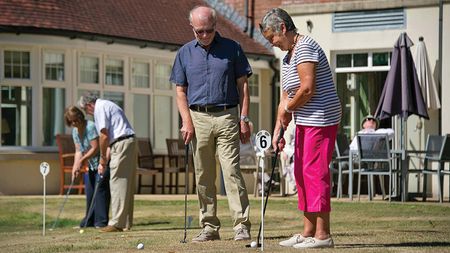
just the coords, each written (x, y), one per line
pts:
(253, 244)
(81, 231)
(140, 246)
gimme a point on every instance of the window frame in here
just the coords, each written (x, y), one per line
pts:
(43, 69)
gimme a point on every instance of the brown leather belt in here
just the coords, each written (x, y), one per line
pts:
(121, 138)
(211, 108)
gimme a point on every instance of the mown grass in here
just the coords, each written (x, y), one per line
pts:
(376, 226)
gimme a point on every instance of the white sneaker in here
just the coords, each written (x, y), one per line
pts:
(296, 239)
(311, 242)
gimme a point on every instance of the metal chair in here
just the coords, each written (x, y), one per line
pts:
(176, 154)
(66, 151)
(249, 163)
(438, 150)
(340, 160)
(147, 165)
(374, 152)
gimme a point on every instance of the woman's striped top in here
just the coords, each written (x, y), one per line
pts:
(324, 107)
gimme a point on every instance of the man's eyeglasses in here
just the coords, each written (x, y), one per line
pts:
(206, 31)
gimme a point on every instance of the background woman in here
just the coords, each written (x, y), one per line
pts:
(87, 153)
(309, 96)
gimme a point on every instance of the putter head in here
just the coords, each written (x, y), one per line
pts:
(183, 241)
(250, 246)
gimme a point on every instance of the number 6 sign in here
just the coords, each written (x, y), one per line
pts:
(263, 140)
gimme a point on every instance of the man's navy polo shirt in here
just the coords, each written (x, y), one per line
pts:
(210, 76)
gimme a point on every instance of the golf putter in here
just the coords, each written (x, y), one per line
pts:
(91, 205)
(186, 187)
(62, 206)
(274, 163)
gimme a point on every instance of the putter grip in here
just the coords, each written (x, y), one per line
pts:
(280, 135)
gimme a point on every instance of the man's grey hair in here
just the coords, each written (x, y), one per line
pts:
(87, 98)
(273, 20)
(213, 13)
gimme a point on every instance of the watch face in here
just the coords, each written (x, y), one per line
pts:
(246, 119)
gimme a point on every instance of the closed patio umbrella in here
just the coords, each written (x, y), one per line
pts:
(401, 93)
(425, 76)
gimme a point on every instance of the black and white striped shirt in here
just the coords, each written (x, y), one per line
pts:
(324, 107)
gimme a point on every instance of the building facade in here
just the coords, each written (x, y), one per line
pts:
(46, 64)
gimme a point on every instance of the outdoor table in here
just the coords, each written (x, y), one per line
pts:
(404, 166)
(352, 156)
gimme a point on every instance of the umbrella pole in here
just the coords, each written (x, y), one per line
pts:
(404, 166)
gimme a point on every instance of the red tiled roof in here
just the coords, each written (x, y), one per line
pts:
(160, 21)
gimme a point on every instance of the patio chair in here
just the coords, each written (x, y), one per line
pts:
(147, 165)
(374, 159)
(249, 164)
(66, 152)
(339, 164)
(176, 154)
(438, 150)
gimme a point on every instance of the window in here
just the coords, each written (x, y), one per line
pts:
(344, 60)
(162, 121)
(53, 104)
(162, 74)
(16, 115)
(140, 75)
(54, 66)
(381, 59)
(141, 115)
(114, 72)
(360, 78)
(17, 64)
(360, 60)
(363, 60)
(253, 85)
(116, 97)
(89, 67)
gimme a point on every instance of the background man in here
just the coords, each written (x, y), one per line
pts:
(370, 125)
(116, 134)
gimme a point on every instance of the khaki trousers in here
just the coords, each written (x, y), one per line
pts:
(219, 132)
(122, 182)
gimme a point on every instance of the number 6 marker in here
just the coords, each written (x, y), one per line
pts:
(263, 140)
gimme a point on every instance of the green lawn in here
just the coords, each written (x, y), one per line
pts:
(376, 226)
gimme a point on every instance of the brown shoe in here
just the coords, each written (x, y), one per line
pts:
(111, 229)
(205, 236)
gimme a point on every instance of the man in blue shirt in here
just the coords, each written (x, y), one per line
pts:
(211, 74)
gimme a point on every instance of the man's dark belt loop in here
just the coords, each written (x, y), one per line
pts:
(121, 138)
(211, 108)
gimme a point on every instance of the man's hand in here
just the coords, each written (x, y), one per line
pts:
(101, 169)
(187, 131)
(245, 131)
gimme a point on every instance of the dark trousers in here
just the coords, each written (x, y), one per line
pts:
(100, 210)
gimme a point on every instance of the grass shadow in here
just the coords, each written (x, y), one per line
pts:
(392, 245)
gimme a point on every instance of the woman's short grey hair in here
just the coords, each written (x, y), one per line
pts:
(87, 98)
(273, 20)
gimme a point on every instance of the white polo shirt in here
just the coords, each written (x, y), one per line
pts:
(108, 115)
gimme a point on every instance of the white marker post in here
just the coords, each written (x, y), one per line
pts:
(263, 142)
(45, 169)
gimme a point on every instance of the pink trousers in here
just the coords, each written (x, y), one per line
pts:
(314, 148)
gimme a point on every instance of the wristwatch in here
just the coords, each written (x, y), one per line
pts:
(245, 119)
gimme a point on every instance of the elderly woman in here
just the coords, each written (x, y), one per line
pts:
(309, 97)
(87, 153)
